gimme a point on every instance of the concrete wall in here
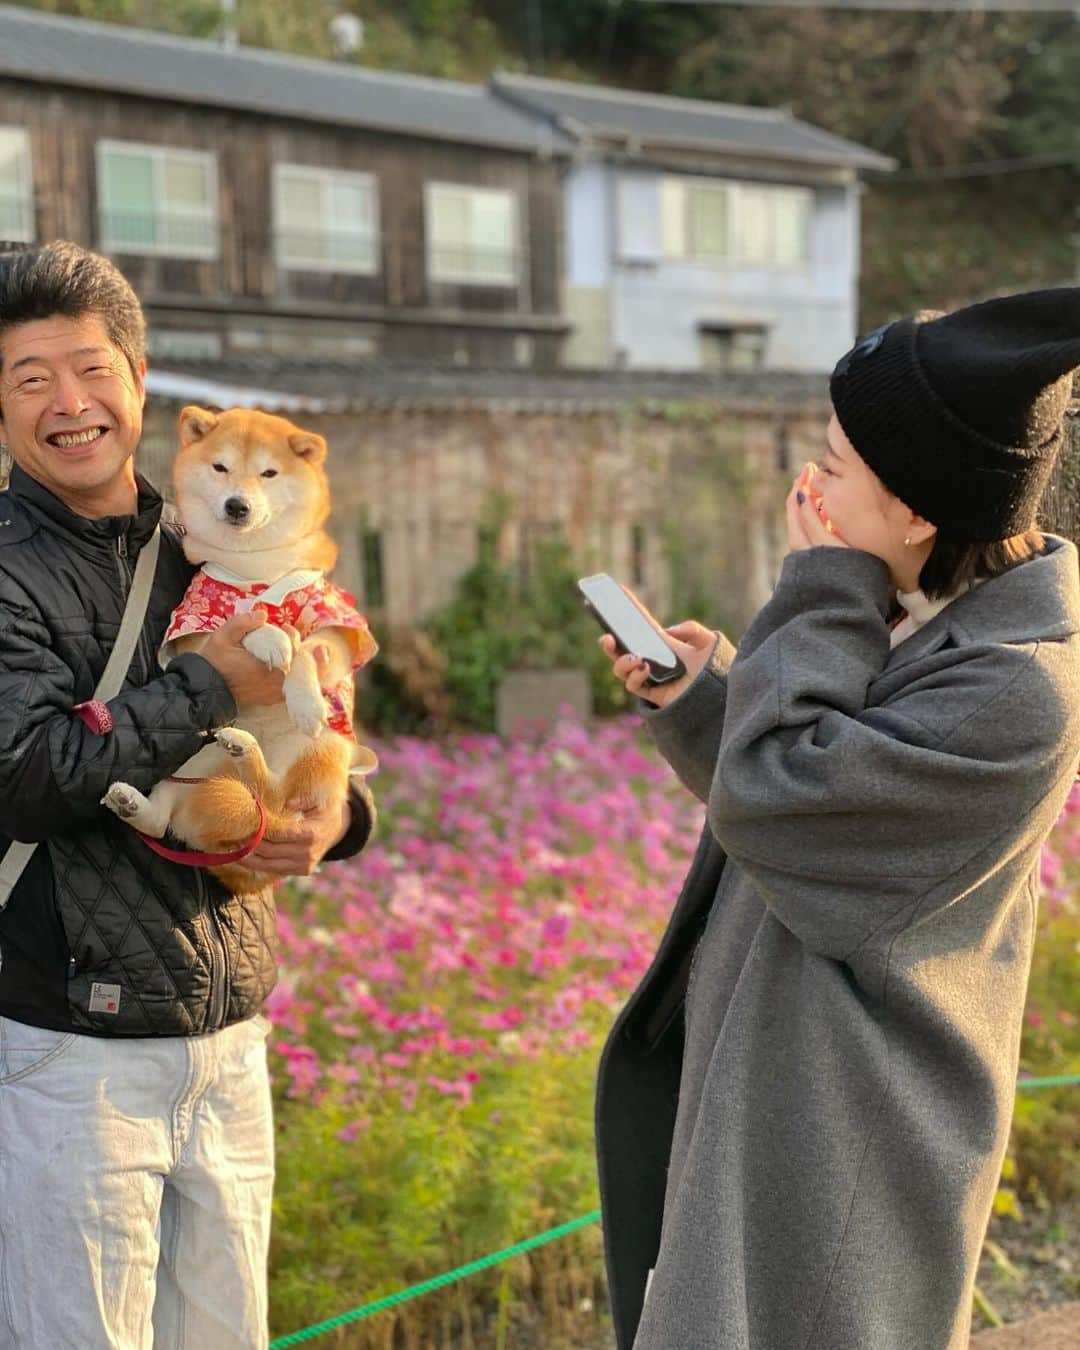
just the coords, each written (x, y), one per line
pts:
(699, 486)
(703, 483)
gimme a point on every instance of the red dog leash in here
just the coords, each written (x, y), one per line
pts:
(194, 858)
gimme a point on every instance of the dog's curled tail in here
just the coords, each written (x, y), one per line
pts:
(217, 816)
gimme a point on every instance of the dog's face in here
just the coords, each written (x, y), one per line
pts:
(247, 480)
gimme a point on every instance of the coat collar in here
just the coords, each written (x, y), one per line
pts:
(85, 533)
(1038, 600)
(1033, 601)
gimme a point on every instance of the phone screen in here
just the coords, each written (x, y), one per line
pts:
(627, 624)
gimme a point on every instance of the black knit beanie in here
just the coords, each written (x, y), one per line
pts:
(961, 416)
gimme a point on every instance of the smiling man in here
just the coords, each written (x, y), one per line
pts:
(74, 410)
(137, 1159)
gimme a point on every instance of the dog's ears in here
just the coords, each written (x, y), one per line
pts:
(308, 446)
(195, 424)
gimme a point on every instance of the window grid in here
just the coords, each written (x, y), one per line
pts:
(16, 193)
(167, 229)
(330, 240)
(462, 260)
(741, 224)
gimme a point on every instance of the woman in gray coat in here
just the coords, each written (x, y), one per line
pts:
(803, 1109)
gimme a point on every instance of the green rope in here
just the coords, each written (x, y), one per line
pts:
(1062, 1080)
(484, 1262)
(414, 1291)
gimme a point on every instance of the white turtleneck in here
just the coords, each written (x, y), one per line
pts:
(919, 611)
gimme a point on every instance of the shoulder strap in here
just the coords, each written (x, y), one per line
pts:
(19, 854)
(119, 662)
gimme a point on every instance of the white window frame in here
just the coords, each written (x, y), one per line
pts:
(158, 155)
(455, 277)
(773, 193)
(24, 202)
(324, 177)
(685, 186)
(735, 193)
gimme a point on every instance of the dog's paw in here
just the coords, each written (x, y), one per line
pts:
(236, 742)
(307, 708)
(271, 645)
(124, 801)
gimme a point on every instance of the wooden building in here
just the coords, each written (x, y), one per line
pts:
(269, 203)
(262, 202)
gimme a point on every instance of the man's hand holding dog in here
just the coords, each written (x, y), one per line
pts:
(297, 850)
(250, 680)
(294, 850)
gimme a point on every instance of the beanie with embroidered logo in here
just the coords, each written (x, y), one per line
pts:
(961, 415)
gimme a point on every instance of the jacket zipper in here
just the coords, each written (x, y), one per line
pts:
(122, 564)
(219, 975)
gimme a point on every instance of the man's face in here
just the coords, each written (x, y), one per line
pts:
(70, 408)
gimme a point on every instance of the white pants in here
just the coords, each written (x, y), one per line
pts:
(135, 1186)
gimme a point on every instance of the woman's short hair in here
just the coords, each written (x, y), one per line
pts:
(954, 564)
(63, 279)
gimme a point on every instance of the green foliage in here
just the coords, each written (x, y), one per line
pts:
(190, 18)
(419, 1192)
(474, 634)
(942, 246)
(503, 618)
(1043, 1149)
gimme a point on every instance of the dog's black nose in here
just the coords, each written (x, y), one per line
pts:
(237, 509)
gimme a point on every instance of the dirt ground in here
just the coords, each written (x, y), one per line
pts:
(1038, 1269)
(1058, 1329)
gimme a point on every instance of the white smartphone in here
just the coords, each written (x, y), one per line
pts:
(618, 615)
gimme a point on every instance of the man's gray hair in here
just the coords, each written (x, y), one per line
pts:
(63, 279)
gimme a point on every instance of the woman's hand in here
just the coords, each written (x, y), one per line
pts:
(692, 641)
(807, 524)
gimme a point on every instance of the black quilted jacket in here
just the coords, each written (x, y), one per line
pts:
(166, 944)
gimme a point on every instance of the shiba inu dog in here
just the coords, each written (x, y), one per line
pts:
(253, 497)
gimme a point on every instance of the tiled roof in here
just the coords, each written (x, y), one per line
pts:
(658, 120)
(516, 112)
(60, 50)
(287, 384)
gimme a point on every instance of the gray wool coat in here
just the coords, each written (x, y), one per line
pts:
(803, 1109)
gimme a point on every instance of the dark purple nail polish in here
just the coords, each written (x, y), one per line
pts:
(800, 497)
